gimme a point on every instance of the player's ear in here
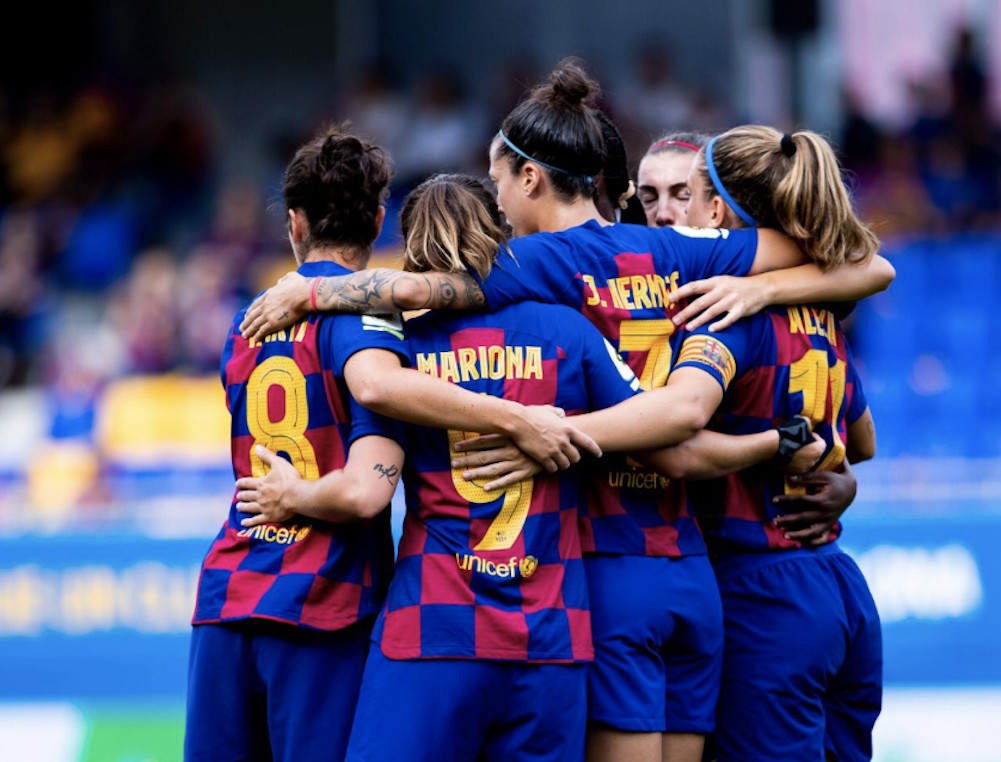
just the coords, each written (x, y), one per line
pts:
(718, 210)
(380, 217)
(529, 177)
(298, 229)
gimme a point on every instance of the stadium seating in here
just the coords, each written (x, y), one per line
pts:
(930, 351)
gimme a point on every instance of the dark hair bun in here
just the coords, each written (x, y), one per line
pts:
(570, 84)
(555, 125)
(338, 180)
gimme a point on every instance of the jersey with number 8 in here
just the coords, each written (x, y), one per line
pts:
(497, 574)
(288, 394)
(783, 362)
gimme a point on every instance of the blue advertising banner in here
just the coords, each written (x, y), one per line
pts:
(108, 616)
(95, 616)
(937, 583)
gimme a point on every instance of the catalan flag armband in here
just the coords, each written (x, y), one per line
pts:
(710, 352)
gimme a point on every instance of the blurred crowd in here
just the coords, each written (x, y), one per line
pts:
(123, 251)
(942, 172)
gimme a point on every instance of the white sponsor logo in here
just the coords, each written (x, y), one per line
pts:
(922, 583)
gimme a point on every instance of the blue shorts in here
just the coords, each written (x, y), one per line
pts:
(268, 691)
(458, 710)
(803, 664)
(658, 643)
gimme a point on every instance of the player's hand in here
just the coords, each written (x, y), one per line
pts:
(268, 498)
(809, 518)
(499, 460)
(544, 435)
(806, 457)
(279, 307)
(733, 298)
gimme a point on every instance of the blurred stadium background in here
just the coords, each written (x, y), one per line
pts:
(141, 145)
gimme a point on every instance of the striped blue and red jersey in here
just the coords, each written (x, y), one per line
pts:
(619, 277)
(497, 574)
(288, 393)
(783, 362)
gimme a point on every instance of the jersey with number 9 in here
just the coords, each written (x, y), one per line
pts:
(497, 574)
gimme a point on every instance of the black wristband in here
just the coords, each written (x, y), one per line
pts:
(793, 434)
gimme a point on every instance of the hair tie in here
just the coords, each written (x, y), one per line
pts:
(787, 144)
(589, 179)
(666, 143)
(718, 184)
(627, 194)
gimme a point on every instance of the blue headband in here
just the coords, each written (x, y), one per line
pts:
(500, 133)
(748, 219)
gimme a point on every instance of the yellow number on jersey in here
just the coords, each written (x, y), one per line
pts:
(812, 376)
(285, 435)
(506, 527)
(653, 336)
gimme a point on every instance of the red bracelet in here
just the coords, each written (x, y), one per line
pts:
(312, 294)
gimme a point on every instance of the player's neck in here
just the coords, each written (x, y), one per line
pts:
(562, 215)
(351, 257)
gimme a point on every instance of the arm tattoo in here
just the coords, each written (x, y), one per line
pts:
(388, 472)
(380, 290)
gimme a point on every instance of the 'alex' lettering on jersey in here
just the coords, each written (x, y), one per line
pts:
(789, 361)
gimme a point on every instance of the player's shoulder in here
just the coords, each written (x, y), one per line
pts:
(550, 319)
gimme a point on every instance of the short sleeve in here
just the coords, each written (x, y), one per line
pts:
(854, 396)
(343, 336)
(365, 423)
(719, 354)
(609, 379)
(353, 333)
(537, 268)
(710, 251)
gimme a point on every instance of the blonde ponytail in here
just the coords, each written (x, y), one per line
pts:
(793, 183)
(813, 207)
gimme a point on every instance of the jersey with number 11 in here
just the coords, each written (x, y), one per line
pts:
(288, 394)
(782, 362)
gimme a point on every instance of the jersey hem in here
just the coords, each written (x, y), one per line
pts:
(416, 654)
(646, 725)
(333, 626)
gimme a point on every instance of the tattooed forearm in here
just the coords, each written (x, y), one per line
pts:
(361, 293)
(389, 472)
(383, 290)
(475, 297)
(445, 295)
(455, 291)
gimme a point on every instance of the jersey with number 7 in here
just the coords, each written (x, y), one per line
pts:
(620, 278)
